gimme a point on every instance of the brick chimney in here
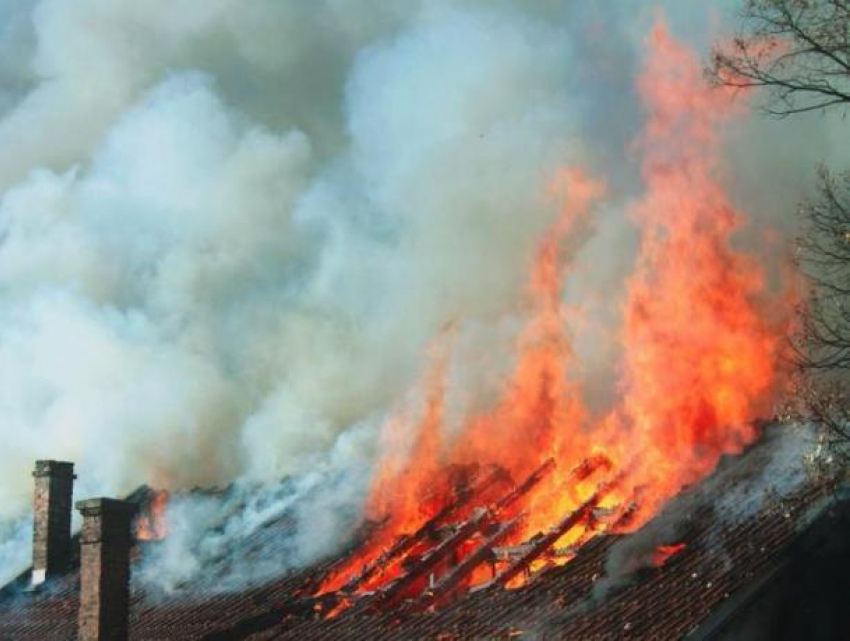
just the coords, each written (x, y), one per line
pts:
(105, 542)
(51, 533)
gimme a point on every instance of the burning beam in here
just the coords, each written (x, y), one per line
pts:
(547, 540)
(521, 490)
(589, 466)
(404, 543)
(482, 517)
(484, 551)
(396, 590)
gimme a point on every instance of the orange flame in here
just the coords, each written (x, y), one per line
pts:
(152, 526)
(698, 359)
(662, 553)
(698, 343)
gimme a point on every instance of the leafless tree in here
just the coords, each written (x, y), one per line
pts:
(824, 254)
(798, 52)
(823, 340)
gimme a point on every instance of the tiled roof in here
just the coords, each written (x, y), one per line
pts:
(717, 562)
(729, 547)
(51, 613)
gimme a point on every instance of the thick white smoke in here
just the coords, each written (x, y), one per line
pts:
(228, 229)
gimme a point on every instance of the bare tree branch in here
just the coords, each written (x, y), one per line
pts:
(799, 50)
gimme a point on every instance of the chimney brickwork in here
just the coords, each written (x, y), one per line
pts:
(52, 503)
(105, 544)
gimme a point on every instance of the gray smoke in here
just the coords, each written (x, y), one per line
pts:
(786, 458)
(228, 230)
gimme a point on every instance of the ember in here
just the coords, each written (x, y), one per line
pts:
(699, 365)
(663, 553)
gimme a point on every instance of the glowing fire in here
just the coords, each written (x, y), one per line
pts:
(698, 366)
(663, 553)
(151, 525)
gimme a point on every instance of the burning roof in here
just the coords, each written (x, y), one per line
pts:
(536, 514)
(663, 580)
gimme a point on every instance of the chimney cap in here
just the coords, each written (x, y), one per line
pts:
(54, 468)
(100, 505)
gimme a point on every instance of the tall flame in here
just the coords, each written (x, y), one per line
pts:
(698, 350)
(699, 346)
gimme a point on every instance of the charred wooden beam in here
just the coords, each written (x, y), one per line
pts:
(589, 466)
(396, 590)
(475, 558)
(393, 592)
(508, 553)
(361, 539)
(578, 473)
(626, 517)
(404, 543)
(519, 491)
(543, 542)
(399, 548)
